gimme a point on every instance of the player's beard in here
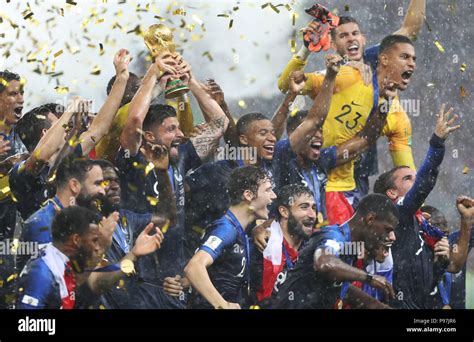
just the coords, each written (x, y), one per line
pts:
(295, 228)
(82, 261)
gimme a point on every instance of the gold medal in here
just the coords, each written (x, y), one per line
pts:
(127, 267)
(447, 307)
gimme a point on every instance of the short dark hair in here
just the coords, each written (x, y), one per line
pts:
(245, 178)
(104, 164)
(55, 108)
(385, 181)
(7, 76)
(430, 210)
(72, 220)
(294, 121)
(129, 89)
(73, 168)
(157, 114)
(288, 193)
(246, 120)
(30, 127)
(343, 20)
(389, 41)
(379, 204)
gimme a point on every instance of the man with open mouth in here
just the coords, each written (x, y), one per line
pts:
(322, 276)
(156, 127)
(421, 252)
(296, 217)
(301, 158)
(11, 152)
(348, 40)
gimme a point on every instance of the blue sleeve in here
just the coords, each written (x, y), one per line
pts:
(188, 158)
(327, 159)
(37, 287)
(281, 162)
(371, 56)
(136, 221)
(38, 228)
(425, 179)
(219, 238)
(332, 241)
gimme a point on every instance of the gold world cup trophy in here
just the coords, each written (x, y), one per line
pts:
(159, 38)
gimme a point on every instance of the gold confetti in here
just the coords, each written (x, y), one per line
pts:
(223, 15)
(294, 111)
(462, 92)
(62, 90)
(165, 227)
(152, 200)
(12, 277)
(293, 19)
(346, 8)
(179, 11)
(98, 21)
(101, 49)
(121, 284)
(231, 22)
(208, 55)
(96, 70)
(149, 168)
(439, 46)
(254, 307)
(242, 104)
(101, 307)
(273, 7)
(465, 170)
(293, 45)
(52, 178)
(4, 82)
(59, 53)
(70, 2)
(265, 5)
(463, 67)
(28, 15)
(5, 190)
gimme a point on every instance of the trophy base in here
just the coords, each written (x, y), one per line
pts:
(175, 88)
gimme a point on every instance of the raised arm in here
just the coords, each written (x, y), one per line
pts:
(428, 172)
(281, 114)
(215, 91)
(161, 70)
(103, 121)
(320, 108)
(413, 19)
(53, 139)
(460, 250)
(353, 147)
(297, 63)
(145, 243)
